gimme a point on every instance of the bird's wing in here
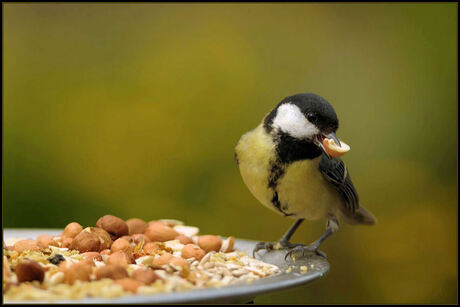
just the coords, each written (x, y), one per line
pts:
(335, 172)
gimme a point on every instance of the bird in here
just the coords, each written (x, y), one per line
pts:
(285, 166)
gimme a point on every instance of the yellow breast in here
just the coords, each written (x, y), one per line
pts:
(253, 153)
(302, 190)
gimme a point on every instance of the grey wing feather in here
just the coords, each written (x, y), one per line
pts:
(335, 172)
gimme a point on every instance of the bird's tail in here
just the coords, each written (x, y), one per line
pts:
(361, 217)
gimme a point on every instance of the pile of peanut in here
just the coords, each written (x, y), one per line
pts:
(133, 254)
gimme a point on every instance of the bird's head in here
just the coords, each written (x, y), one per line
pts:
(304, 117)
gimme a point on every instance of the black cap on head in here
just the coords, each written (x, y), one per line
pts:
(315, 108)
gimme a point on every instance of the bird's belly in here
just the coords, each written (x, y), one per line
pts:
(301, 190)
(304, 192)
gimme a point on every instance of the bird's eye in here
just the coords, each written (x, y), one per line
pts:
(312, 117)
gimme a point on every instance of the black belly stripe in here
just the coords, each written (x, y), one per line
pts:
(276, 202)
(276, 172)
(288, 150)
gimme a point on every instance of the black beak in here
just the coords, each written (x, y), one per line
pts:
(334, 137)
(329, 136)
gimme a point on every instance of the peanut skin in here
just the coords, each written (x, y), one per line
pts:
(29, 270)
(72, 230)
(145, 276)
(76, 271)
(90, 257)
(86, 242)
(136, 226)
(151, 248)
(121, 244)
(43, 241)
(66, 242)
(138, 238)
(191, 250)
(111, 271)
(129, 284)
(160, 233)
(120, 258)
(104, 237)
(210, 243)
(115, 226)
(184, 239)
(24, 245)
(163, 259)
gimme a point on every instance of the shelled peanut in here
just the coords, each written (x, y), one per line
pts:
(111, 250)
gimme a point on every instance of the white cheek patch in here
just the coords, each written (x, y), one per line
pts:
(290, 119)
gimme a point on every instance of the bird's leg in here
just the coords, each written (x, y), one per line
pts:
(287, 236)
(282, 243)
(332, 226)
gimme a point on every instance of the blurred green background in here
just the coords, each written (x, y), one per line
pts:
(135, 109)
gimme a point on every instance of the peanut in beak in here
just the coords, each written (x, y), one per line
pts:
(333, 149)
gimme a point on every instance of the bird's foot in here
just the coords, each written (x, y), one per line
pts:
(268, 246)
(302, 250)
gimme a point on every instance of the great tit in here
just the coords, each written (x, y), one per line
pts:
(285, 166)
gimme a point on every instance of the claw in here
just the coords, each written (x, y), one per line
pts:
(289, 254)
(278, 245)
(262, 245)
(303, 249)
